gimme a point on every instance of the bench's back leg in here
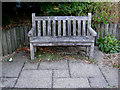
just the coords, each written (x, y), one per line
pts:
(87, 51)
(35, 49)
(92, 51)
(31, 51)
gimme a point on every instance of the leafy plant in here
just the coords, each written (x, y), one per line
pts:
(108, 44)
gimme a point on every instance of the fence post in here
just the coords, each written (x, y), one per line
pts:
(1, 45)
(118, 32)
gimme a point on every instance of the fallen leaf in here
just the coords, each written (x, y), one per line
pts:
(69, 57)
(87, 61)
(40, 60)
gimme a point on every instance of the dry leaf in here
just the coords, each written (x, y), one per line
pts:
(69, 57)
(87, 61)
(40, 60)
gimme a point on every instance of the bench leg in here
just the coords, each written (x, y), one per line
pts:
(87, 51)
(32, 51)
(92, 51)
(35, 49)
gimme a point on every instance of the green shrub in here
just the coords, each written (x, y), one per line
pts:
(108, 44)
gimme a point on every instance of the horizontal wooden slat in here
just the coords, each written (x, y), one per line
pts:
(37, 18)
(61, 44)
(63, 39)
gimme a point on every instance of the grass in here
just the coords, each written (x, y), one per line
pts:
(116, 66)
(43, 56)
(78, 56)
(50, 55)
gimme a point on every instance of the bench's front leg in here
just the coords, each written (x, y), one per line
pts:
(92, 51)
(32, 51)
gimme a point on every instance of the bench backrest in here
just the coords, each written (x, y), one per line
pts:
(61, 25)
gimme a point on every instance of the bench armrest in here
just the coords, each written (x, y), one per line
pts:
(31, 32)
(92, 32)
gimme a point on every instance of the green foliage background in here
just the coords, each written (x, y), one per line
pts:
(109, 44)
(102, 12)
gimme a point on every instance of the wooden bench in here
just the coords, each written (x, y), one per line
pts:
(61, 31)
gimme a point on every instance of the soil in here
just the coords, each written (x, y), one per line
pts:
(111, 60)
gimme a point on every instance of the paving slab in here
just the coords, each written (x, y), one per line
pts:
(71, 83)
(35, 79)
(0, 83)
(8, 82)
(21, 57)
(34, 83)
(11, 69)
(36, 74)
(84, 70)
(64, 89)
(111, 75)
(61, 73)
(60, 65)
(0, 69)
(98, 55)
(98, 82)
(29, 66)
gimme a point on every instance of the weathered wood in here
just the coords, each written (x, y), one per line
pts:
(92, 51)
(26, 36)
(88, 33)
(12, 39)
(92, 32)
(39, 28)
(59, 27)
(111, 28)
(69, 27)
(22, 35)
(29, 27)
(89, 19)
(1, 53)
(63, 39)
(102, 30)
(87, 51)
(98, 31)
(49, 27)
(74, 27)
(32, 51)
(15, 38)
(118, 32)
(33, 23)
(61, 44)
(64, 27)
(79, 28)
(67, 38)
(4, 43)
(44, 28)
(84, 31)
(37, 18)
(54, 28)
(114, 29)
(106, 29)
(9, 42)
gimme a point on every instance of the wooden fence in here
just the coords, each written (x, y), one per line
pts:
(16, 37)
(103, 29)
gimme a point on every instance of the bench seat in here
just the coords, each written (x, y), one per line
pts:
(61, 39)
